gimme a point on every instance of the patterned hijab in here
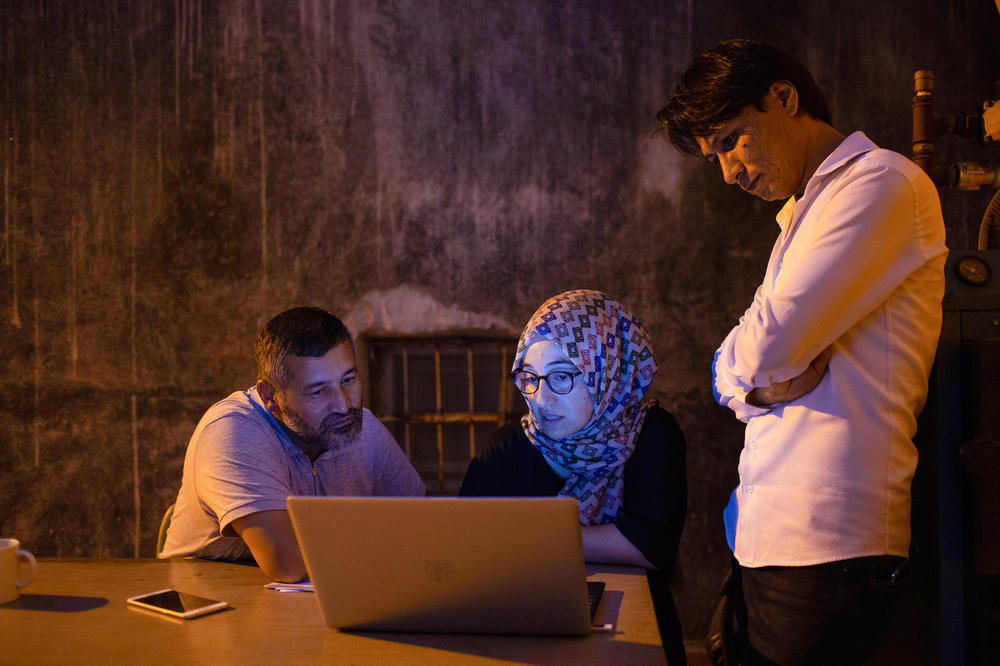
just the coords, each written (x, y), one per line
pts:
(611, 347)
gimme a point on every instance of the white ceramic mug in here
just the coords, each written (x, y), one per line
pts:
(10, 569)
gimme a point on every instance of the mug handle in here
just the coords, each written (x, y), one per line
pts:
(31, 560)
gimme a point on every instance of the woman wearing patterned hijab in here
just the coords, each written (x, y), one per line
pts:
(583, 364)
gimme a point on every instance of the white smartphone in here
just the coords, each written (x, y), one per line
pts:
(178, 604)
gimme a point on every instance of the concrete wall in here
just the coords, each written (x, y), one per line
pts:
(176, 173)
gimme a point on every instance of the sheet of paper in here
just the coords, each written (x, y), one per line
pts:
(304, 586)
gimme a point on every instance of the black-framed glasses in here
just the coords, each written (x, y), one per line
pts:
(558, 381)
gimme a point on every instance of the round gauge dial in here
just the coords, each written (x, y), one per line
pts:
(973, 270)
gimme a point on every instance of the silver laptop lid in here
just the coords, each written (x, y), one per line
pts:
(454, 565)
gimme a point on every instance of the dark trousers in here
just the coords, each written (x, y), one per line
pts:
(834, 613)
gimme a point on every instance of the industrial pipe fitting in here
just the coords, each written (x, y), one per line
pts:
(925, 124)
(973, 176)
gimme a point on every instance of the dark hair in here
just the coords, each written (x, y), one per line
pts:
(720, 83)
(302, 331)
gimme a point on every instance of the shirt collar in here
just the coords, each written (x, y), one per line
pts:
(784, 216)
(853, 145)
(283, 437)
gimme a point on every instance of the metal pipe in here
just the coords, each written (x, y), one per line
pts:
(925, 124)
(973, 175)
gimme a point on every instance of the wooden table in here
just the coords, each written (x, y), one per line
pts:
(75, 612)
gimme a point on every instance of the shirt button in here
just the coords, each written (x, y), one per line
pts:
(753, 444)
(750, 490)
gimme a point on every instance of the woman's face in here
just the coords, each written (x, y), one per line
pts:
(558, 416)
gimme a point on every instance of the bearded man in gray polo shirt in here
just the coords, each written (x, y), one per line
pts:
(300, 430)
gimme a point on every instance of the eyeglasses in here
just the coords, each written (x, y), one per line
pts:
(559, 381)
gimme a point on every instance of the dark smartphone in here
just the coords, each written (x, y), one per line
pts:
(178, 604)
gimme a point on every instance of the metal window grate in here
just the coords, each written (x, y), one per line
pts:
(440, 397)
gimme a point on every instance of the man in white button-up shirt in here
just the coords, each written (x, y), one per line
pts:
(828, 366)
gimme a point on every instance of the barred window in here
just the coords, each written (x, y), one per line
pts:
(440, 397)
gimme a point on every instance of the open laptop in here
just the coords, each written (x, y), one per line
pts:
(452, 565)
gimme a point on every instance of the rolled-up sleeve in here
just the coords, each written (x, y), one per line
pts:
(239, 470)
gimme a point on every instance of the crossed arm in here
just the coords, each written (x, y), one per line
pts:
(796, 387)
(838, 268)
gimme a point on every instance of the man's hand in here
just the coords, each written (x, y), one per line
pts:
(271, 539)
(790, 389)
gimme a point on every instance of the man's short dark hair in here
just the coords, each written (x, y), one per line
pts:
(720, 83)
(303, 331)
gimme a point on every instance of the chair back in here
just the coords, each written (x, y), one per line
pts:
(161, 536)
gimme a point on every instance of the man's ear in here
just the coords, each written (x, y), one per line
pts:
(267, 395)
(787, 97)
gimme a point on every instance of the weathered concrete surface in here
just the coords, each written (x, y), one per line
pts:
(176, 173)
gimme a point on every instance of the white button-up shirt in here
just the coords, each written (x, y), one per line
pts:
(858, 265)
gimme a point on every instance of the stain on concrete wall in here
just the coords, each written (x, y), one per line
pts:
(176, 173)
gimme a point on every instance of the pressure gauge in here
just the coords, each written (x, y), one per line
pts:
(973, 270)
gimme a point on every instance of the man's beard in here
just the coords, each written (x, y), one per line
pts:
(329, 437)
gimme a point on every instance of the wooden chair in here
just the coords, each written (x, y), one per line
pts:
(161, 536)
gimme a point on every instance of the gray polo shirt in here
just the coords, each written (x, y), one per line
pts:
(240, 460)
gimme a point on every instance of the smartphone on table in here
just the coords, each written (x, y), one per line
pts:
(176, 603)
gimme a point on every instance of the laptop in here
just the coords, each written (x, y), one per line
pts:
(446, 564)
